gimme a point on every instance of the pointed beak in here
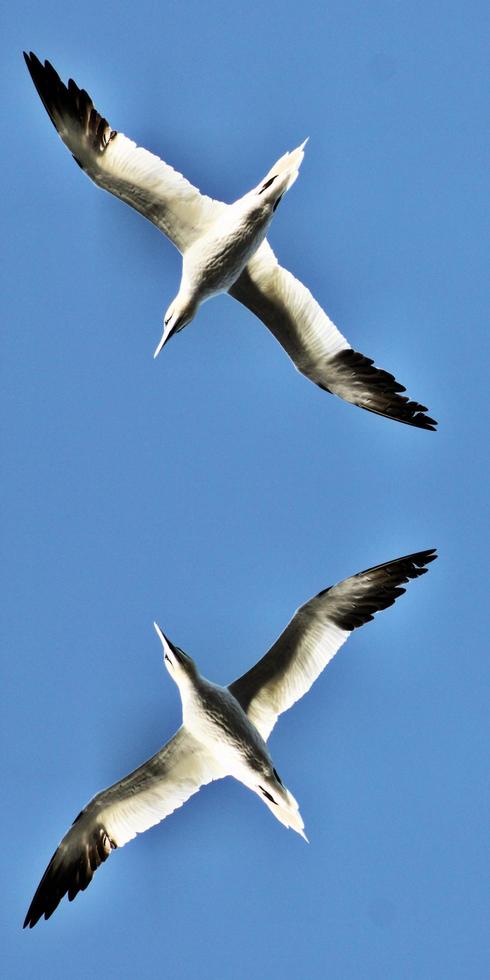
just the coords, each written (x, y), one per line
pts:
(163, 640)
(167, 333)
(159, 632)
(167, 645)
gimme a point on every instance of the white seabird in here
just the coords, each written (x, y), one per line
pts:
(224, 730)
(223, 248)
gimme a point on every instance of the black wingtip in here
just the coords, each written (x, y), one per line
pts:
(69, 105)
(410, 565)
(28, 56)
(382, 586)
(70, 870)
(30, 920)
(355, 378)
(33, 63)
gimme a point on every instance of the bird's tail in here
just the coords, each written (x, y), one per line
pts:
(284, 172)
(284, 807)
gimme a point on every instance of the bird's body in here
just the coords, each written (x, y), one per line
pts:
(215, 260)
(224, 249)
(216, 720)
(224, 730)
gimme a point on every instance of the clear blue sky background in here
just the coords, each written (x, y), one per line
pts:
(216, 489)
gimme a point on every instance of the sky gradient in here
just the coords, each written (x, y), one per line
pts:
(215, 490)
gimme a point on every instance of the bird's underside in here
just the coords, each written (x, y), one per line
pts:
(162, 784)
(184, 215)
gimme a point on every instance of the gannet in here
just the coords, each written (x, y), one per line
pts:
(224, 730)
(224, 249)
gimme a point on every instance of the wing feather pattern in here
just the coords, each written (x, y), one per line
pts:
(317, 630)
(316, 346)
(139, 801)
(118, 165)
(180, 211)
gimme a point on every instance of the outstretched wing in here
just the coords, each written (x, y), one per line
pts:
(140, 800)
(314, 344)
(317, 630)
(118, 165)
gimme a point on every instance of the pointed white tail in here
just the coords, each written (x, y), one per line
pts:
(285, 809)
(285, 170)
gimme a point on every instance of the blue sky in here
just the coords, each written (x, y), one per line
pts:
(216, 489)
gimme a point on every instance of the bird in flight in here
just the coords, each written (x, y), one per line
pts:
(224, 730)
(224, 249)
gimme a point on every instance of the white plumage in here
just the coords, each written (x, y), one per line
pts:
(223, 249)
(224, 730)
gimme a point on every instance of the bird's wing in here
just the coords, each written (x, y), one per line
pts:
(317, 630)
(140, 800)
(118, 165)
(314, 344)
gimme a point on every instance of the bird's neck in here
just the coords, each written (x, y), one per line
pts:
(188, 295)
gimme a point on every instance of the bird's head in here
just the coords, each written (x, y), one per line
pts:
(179, 314)
(180, 666)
